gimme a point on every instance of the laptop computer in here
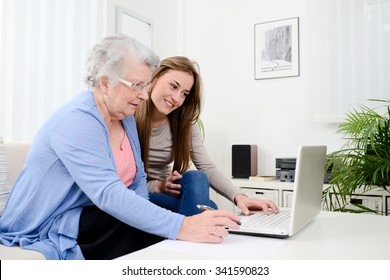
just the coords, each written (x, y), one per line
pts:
(306, 203)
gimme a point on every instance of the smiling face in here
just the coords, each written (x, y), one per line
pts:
(121, 99)
(170, 90)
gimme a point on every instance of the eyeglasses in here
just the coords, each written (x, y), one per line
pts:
(136, 86)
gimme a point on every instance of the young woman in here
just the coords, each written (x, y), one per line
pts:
(171, 140)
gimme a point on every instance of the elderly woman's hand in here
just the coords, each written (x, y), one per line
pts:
(209, 226)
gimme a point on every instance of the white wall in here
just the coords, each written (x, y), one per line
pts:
(275, 114)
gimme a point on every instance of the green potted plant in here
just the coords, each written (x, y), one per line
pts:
(363, 163)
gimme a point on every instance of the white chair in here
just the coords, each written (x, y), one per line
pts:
(16, 154)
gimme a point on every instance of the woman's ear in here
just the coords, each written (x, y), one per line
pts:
(103, 83)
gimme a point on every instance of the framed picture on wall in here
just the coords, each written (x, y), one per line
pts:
(277, 49)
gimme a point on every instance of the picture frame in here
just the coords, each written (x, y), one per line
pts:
(277, 49)
(134, 25)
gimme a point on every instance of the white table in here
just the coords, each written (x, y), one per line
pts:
(331, 236)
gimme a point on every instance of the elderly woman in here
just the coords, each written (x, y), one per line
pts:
(82, 193)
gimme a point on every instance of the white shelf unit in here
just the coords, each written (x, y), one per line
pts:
(281, 194)
(388, 205)
(374, 202)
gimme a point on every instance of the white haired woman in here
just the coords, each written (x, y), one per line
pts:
(82, 193)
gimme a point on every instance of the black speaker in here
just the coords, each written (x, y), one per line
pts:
(244, 161)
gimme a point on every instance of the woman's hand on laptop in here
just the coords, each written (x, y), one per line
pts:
(246, 203)
(209, 226)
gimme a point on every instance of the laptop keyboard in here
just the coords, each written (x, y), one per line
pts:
(261, 220)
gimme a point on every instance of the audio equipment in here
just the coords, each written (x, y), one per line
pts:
(285, 163)
(285, 169)
(285, 175)
(244, 161)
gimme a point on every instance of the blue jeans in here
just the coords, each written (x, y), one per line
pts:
(194, 190)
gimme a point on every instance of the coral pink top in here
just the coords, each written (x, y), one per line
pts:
(125, 162)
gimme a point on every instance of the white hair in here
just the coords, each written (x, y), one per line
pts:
(109, 58)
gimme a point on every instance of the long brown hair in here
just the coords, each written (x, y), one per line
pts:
(181, 119)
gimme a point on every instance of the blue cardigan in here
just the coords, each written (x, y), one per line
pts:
(70, 165)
